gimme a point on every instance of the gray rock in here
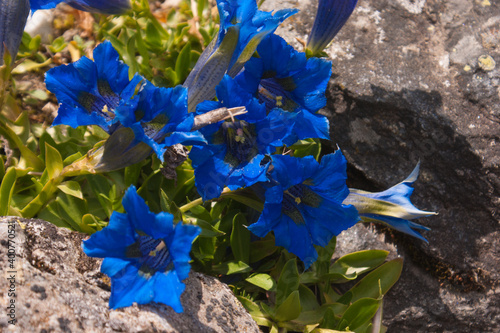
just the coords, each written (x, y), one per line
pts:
(59, 289)
(407, 86)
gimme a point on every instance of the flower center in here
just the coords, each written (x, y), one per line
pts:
(296, 197)
(152, 254)
(103, 103)
(276, 92)
(240, 140)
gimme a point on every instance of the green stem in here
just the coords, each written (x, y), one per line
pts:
(190, 205)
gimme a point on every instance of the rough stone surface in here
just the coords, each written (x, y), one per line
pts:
(408, 85)
(59, 289)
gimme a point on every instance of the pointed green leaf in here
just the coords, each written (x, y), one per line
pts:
(53, 161)
(359, 262)
(71, 188)
(359, 313)
(183, 62)
(231, 267)
(262, 249)
(263, 281)
(288, 281)
(257, 314)
(376, 283)
(7, 190)
(290, 308)
(240, 239)
(307, 299)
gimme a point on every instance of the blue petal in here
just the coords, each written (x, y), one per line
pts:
(402, 225)
(181, 246)
(330, 17)
(296, 239)
(128, 286)
(168, 289)
(331, 177)
(155, 225)
(111, 241)
(43, 4)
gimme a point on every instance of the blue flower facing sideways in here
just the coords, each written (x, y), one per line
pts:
(330, 18)
(146, 256)
(391, 207)
(304, 204)
(235, 155)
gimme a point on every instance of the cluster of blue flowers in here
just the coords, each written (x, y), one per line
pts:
(306, 202)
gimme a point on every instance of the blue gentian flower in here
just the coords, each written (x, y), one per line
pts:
(330, 18)
(89, 92)
(159, 117)
(236, 150)
(303, 205)
(391, 207)
(242, 27)
(146, 256)
(284, 78)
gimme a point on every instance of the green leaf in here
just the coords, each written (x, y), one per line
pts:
(288, 281)
(307, 147)
(263, 281)
(359, 313)
(325, 254)
(183, 62)
(71, 188)
(315, 316)
(262, 249)
(376, 283)
(7, 190)
(240, 239)
(290, 308)
(53, 161)
(231, 267)
(32, 161)
(207, 230)
(257, 314)
(359, 262)
(307, 299)
(329, 321)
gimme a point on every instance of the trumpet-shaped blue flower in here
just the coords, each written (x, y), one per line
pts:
(242, 28)
(89, 92)
(330, 18)
(391, 207)
(158, 117)
(236, 150)
(146, 257)
(303, 206)
(284, 78)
